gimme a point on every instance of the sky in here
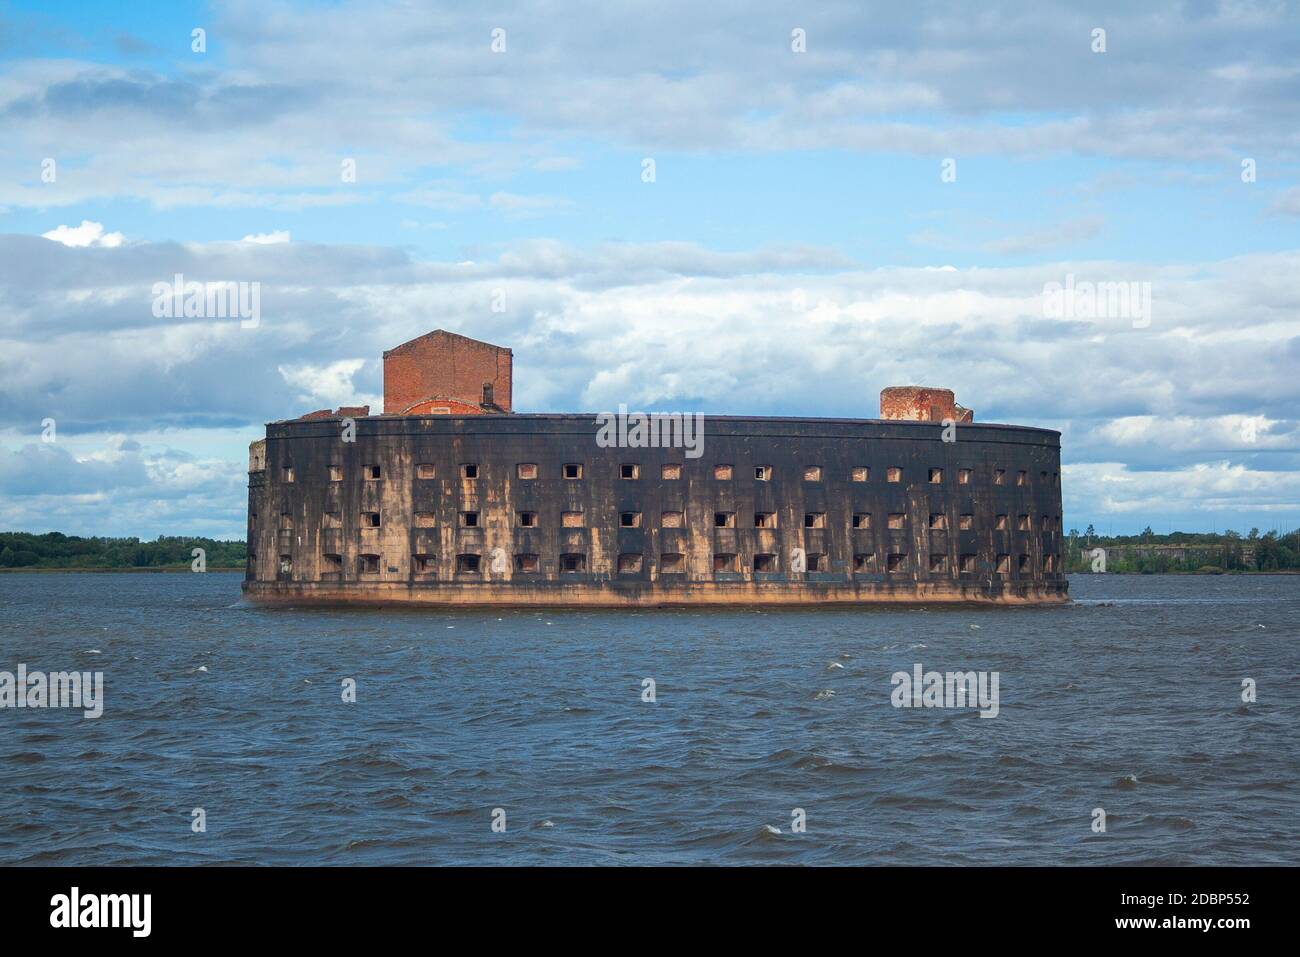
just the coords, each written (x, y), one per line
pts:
(732, 208)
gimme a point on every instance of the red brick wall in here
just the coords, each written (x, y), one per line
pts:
(445, 365)
(922, 404)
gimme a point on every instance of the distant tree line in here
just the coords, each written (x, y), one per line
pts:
(56, 550)
(1152, 554)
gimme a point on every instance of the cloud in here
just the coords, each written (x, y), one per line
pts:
(331, 383)
(779, 330)
(87, 234)
(267, 239)
(1023, 83)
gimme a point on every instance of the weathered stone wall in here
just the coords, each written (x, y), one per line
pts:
(1011, 559)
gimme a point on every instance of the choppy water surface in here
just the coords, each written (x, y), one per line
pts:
(1129, 700)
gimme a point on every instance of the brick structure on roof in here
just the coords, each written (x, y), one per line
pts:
(918, 403)
(442, 370)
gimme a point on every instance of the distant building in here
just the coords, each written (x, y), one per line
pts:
(450, 498)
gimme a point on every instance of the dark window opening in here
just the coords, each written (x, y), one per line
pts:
(573, 471)
(724, 519)
(629, 471)
(816, 562)
(527, 519)
(469, 519)
(672, 562)
(938, 520)
(573, 563)
(896, 562)
(526, 563)
(814, 519)
(371, 472)
(861, 519)
(469, 471)
(765, 519)
(425, 564)
(724, 562)
(864, 563)
(467, 564)
(370, 564)
(764, 562)
(936, 476)
(369, 519)
(629, 519)
(763, 473)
